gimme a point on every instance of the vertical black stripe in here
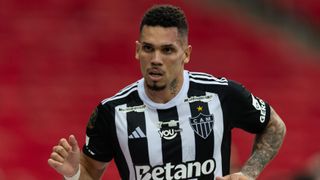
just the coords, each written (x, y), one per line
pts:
(171, 148)
(226, 152)
(226, 139)
(138, 144)
(204, 146)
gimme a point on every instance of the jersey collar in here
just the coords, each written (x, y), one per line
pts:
(173, 102)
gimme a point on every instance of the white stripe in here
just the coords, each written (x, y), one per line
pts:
(139, 131)
(154, 140)
(127, 87)
(204, 125)
(118, 97)
(218, 127)
(208, 82)
(121, 91)
(187, 133)
(135, 134)
(87, 140)
(122, 134)
(201, 130)
(201, 76)
(200, 73)
(209, 78)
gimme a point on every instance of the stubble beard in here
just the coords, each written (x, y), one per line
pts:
(154, 87)
(172, 87)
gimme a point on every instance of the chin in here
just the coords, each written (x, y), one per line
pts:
(155, 87)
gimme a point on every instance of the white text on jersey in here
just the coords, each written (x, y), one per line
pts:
(168, 171)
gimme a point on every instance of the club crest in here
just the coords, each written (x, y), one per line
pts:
(202, 124)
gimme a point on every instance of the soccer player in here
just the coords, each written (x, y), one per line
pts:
(172, 123)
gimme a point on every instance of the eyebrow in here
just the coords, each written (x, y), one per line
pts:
(145, 43)
(164, 45)
(168, 45)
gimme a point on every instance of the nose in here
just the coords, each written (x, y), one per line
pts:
(156, 59)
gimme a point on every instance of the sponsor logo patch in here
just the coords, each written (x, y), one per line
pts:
(259, 105)
(140, 108)
(169, 130)
(205, 99)
(137, 134)
(168, 171)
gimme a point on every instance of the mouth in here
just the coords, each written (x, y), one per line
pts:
(155, 74)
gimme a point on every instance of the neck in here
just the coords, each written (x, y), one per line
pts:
(165, 95)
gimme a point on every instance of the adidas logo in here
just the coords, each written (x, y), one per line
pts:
(137, 133)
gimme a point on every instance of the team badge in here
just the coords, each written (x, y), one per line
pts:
(202, 124)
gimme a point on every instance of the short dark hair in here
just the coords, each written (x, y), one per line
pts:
(166, 16)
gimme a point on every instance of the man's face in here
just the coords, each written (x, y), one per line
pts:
(162, 54)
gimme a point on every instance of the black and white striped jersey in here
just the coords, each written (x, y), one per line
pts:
(187, 138)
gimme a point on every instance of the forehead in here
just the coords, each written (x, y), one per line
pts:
(157, 35)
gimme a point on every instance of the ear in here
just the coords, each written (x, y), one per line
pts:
(137, 50)
(187, 53)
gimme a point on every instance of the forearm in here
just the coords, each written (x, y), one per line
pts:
(91, 170)
(82, 173)
(265, 147)
(85, 175)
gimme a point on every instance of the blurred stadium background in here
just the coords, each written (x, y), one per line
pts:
(58, 59)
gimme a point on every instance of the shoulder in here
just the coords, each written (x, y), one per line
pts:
(207, 82)
(210, 82)
(236, 88)
(122, 95)
(205, 78)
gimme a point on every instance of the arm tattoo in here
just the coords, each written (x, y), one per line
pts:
(266, 146)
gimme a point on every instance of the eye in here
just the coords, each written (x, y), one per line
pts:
(147, 48)
(167, 50)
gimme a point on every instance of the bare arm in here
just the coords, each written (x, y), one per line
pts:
(266, 146)
(90, 168)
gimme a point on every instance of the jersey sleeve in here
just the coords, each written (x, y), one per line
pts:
(98, 144)
(247, 111)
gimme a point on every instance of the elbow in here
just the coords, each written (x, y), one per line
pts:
(278, 123)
